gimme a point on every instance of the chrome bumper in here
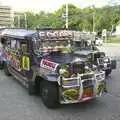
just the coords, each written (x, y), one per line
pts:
(80, 85)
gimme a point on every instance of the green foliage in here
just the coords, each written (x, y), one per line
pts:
(79, 19)
(114, 40)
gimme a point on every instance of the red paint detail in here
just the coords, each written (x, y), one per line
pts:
(49, 63)
(87, 93)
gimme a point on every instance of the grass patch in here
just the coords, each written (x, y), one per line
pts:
(113, 40)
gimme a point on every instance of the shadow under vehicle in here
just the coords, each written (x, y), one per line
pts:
(44, 63)
(94, 56)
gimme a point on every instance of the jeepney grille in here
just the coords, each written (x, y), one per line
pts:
(87, 83)
(78, 68)
(100, 61)
(87, 80)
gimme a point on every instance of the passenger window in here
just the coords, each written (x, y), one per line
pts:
(24, 46)
(15, 44)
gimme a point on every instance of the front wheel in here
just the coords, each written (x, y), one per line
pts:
(108, 72)
(31, 88)
(6, 70)
(49, 94)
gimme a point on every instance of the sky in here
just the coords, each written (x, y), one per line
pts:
(48, 5)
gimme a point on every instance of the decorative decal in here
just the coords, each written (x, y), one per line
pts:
(48, 65)
(71, 94)
(55, 34)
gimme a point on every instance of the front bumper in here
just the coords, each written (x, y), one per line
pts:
(82, 90)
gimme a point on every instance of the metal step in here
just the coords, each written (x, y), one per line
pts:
(23, 80)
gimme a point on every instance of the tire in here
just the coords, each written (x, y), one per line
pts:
(49, 94)
(31, 88)
(1, 65)
(6, 71)
(108, 72)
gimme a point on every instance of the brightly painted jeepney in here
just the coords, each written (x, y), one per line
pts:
(43, 61)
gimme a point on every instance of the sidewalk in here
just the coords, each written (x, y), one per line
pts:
(111, 44)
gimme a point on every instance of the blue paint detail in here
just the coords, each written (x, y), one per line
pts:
(60, 58)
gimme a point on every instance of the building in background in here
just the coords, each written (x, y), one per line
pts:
(6, 16)
(20, 19)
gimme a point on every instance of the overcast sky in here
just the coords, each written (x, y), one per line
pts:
(49, 5)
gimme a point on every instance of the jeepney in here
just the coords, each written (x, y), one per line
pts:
(85, 47)
(43, 61)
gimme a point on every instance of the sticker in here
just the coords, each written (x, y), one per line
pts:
(26, 63)
(71, 94)
(48, 65)
(56, 33)
(88, 92)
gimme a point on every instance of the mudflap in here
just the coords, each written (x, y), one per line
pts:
(113, 64)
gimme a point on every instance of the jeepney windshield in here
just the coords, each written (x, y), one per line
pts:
(49, 46)
(83, 45)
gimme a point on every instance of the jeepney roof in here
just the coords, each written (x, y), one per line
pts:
(18, 33)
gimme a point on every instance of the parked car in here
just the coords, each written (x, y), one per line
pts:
(44, 63)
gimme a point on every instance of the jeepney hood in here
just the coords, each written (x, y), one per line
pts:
(63, 58)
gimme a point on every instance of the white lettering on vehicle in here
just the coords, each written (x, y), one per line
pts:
(48, 64)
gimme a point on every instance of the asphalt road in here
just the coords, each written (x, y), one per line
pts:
(16, 104)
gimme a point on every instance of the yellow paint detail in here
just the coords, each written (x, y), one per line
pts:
(26, 63)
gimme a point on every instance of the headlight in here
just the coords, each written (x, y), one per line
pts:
(106, 60)
(86, 67)
(64, 73)
(100, 76)
(103, 76)
(94, 66)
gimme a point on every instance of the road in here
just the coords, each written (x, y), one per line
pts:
(16, 104)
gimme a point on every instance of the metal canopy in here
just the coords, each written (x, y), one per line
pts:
(55, 34)
(18, 33)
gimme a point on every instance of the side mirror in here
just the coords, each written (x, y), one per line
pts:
(113, 64)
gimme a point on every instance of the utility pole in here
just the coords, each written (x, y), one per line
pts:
(25, 20)
(66, 16)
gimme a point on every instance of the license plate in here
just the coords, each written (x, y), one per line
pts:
(88, 92)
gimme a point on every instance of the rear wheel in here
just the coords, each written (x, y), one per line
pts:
(1, 65)
(6, 70)
(49, 94)
(31, 88)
